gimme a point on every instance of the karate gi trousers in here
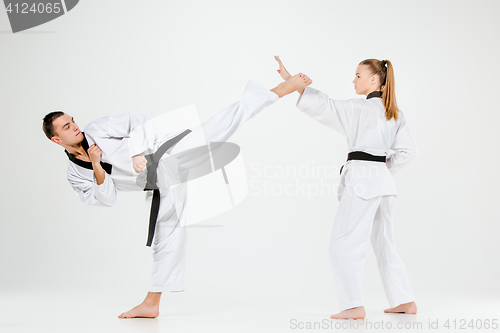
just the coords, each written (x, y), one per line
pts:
(169, 243)
(356, 221)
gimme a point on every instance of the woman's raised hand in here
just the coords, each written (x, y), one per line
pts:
(283, 72)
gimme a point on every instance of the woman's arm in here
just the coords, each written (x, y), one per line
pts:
(404, 147)
(335, 114)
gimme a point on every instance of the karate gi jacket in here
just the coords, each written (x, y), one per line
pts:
(364, 124)
(120, 138)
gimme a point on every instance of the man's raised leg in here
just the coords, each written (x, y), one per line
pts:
(169, 241)
(221, 126)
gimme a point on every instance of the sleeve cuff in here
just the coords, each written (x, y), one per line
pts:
(106, 192)
(304, 100)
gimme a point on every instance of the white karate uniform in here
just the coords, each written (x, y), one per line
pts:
(123, 136)
(366, 193)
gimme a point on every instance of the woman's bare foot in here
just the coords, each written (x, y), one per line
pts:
(283, 72)
(297, 82)
(410, 308)
(354, 313)
(149, 308)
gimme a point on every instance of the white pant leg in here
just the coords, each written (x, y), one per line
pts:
(392, 270)
(350, 235)
(169, 246)
(170, 239)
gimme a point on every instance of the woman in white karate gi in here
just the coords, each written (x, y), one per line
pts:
(103, 157)
(373, 126)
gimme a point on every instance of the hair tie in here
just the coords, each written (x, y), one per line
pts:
(384, 63)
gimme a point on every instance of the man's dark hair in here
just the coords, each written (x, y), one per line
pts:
(48, 127)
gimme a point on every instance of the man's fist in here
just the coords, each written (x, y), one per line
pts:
(139, 162)
(95, 154)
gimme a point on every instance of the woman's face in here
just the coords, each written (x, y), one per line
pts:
(364, 81)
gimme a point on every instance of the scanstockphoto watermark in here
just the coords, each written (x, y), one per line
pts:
(26, 14)
(308, 179)
(431, 324)
(330, 324)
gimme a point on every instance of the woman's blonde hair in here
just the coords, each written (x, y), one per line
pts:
(385, 73)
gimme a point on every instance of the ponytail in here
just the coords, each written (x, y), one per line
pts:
(385, 73)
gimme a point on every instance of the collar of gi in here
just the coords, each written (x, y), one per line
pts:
(84, 164)
(374, 94)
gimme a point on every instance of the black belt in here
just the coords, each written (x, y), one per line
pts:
(153, 160)
(361, 155)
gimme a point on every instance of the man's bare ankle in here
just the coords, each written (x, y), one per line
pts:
(152, 299)
(151, 303)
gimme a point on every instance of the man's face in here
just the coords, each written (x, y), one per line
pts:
(66, 131)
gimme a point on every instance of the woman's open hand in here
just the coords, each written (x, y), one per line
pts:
(283, 72)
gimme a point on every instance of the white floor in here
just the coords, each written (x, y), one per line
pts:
(192, 312)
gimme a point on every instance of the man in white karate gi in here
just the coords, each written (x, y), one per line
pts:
(108, 156)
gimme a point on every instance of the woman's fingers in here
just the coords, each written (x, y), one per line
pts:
(282, 70)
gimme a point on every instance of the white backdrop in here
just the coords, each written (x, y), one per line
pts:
(105, 58)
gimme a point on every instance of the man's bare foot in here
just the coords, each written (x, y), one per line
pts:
(283, 72)
(354, 313)
(297, 82)
(142, 311)
(410, 308)
(149, 308)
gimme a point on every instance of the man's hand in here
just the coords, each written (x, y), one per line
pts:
(95, 154)
(283, 72)
(139, 162)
